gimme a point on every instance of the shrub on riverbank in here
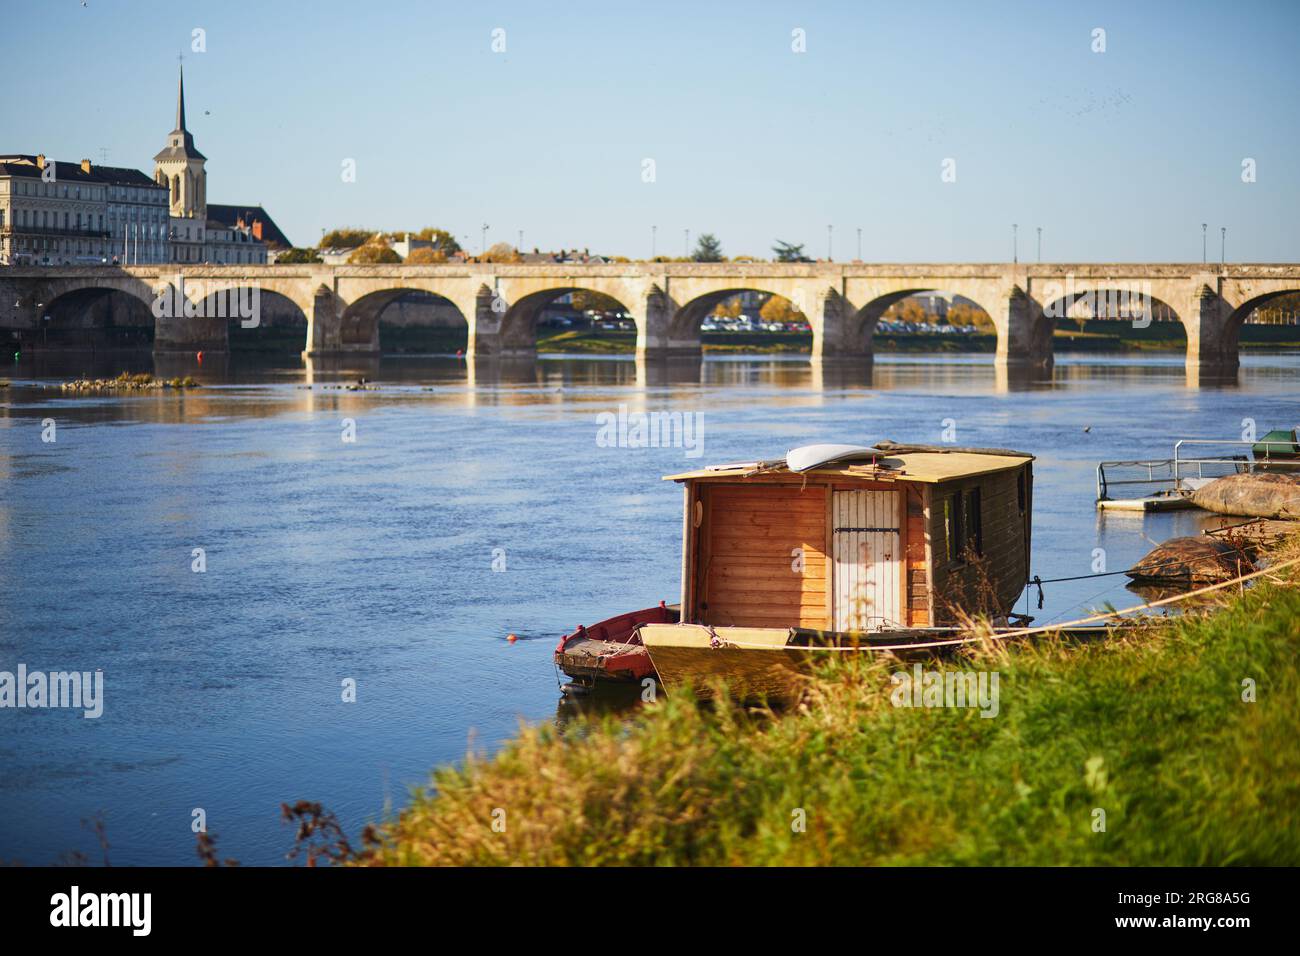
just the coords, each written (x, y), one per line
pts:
(1151, 728)
(128, 382)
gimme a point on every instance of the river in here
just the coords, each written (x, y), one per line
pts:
(372, 560)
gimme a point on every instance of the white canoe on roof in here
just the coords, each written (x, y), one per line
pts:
(808, 457)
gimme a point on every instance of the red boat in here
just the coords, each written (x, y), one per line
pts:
(611, 650)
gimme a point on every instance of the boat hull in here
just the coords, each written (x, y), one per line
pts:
(611, 650)
(774, 664)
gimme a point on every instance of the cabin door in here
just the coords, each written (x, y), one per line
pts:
(867, 551)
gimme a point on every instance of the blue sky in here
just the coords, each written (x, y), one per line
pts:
(1118, 156)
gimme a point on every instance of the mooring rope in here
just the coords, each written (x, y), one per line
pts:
(1042, 629)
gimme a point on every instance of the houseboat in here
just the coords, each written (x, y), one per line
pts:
(836, 546)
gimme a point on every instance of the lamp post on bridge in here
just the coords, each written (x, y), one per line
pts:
(653, 230)
(1204, 226)
(483, 243)
(859, 243)
(829, 246)
(1040, 245)
(1015, 255)
(1223, 245)
(686, 244)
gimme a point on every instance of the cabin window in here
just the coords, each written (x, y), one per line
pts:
(974, 540)
(962, 526)
(952, 526)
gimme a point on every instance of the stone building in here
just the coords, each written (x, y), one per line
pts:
(51, 213)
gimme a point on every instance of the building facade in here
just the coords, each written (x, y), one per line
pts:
(51, 213)
(60, 213)
(138, 217)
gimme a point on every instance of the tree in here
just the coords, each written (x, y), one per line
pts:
(446, 242)
(789, 252)
(584, 300)
(346, 238)
(295, 255)
(729, 308)
(780, 309)
(373, 253)
(424, 256)
(708, 249)
(501, 252)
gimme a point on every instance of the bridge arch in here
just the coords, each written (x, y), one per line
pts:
(395, 308)
(684, 328)
(1106, 302)
(1230, 333)
(519, 322)
(256, 319)
(95, 317)
(861, 325)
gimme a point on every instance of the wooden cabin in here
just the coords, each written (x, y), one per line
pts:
(886, 539)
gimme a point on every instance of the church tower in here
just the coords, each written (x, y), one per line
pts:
(179, 167)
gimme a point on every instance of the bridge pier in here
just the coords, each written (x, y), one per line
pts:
(486, 314)
(1211, 334)
(1024, 332)
(653, 317)
(838, 334)
(327, 328)
(176, 331)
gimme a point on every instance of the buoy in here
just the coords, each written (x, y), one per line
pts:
(459, 353)
(512, 638)
(199, 356)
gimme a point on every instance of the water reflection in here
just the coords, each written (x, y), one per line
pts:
(886, 371)
(617, 700)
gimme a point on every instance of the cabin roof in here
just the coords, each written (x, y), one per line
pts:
(930, 467)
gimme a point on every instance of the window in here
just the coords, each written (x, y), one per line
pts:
(974, 531)
(962, 525)
(952, 526)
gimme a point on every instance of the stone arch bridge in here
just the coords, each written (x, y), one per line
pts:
(668, 301)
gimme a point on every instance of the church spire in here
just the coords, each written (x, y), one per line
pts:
(180, 102)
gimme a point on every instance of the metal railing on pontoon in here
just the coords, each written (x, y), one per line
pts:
(1182, 474)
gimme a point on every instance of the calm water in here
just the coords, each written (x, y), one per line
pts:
(372, 560)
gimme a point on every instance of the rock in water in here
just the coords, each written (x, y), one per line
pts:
(1258, 495)
(1194, 560)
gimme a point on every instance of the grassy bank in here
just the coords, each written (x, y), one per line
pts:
(1152, 729)
(1097, 337)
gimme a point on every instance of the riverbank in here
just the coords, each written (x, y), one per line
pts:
(1100, 337)
(1153, 730)
(1097, 337)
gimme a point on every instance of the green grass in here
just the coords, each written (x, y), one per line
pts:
(1095, 337)
(1151, 729)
